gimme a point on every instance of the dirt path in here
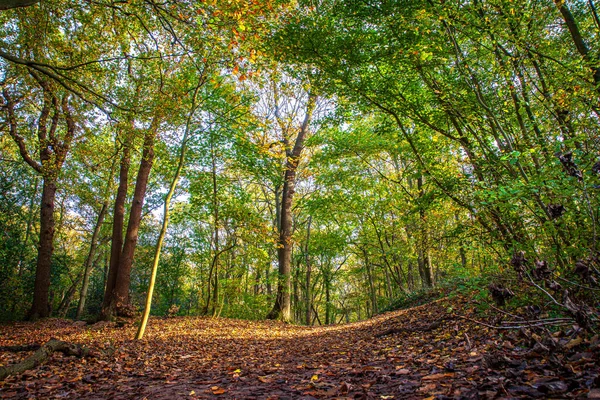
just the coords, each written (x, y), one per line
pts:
(425, 352)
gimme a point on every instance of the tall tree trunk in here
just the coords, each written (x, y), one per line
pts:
(424, 261)
(121, 291)
(579, 41)
(41, 307)
(308, 274)
(215, 200)
(327, 284)
(108, 311)
(89, 261)
(282, 308)
(371, 280)
(87, 267)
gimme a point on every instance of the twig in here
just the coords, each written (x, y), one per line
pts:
(545, 291)
(469, 346)
(535, 321)
(504, 312)
(577, 284)
(525, 325)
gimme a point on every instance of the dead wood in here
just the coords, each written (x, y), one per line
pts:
(42, 354)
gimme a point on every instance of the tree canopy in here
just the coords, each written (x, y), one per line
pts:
(310, 161)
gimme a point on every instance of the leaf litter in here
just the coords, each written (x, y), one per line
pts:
(428, 352)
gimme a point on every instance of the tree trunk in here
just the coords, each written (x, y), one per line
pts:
(41, 307)
(579, 41)
(424, 261)
(117, 231)
(67, 299)
(327, 284)
(373, 293)
(308, 274)
(87, 268)
(282, 308)
(165, 224)
(215, 201)
(121, 291)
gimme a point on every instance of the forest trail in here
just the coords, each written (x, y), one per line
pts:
(428, 351)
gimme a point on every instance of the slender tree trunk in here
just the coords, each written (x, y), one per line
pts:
(373, 293)
(578, 40)
(165, 223)
(67, 299)
(296, 297)
(327, 284)
(88, 265)
(308, 274)
(423, 261)
(87, 268)
(215, 200)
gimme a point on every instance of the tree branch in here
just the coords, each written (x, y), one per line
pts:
(12, 121)
(9, 4)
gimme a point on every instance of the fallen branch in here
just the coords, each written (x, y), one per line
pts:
(522, 324)
(42, 354)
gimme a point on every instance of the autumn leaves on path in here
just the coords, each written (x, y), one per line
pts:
(425, 352)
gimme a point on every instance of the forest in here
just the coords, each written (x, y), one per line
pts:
(295, 167)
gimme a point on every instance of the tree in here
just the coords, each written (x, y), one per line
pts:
(292, 138)
(166, 211)
(52, 151)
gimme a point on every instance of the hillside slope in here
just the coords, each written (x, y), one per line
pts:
(430, 351)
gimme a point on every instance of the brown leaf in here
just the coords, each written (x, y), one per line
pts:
(217, 390)
(435, 377)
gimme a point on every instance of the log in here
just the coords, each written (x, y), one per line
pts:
(42, 354)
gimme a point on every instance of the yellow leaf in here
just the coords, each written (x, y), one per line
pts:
(314, 378)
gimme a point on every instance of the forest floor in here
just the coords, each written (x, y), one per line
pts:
(430, 351)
